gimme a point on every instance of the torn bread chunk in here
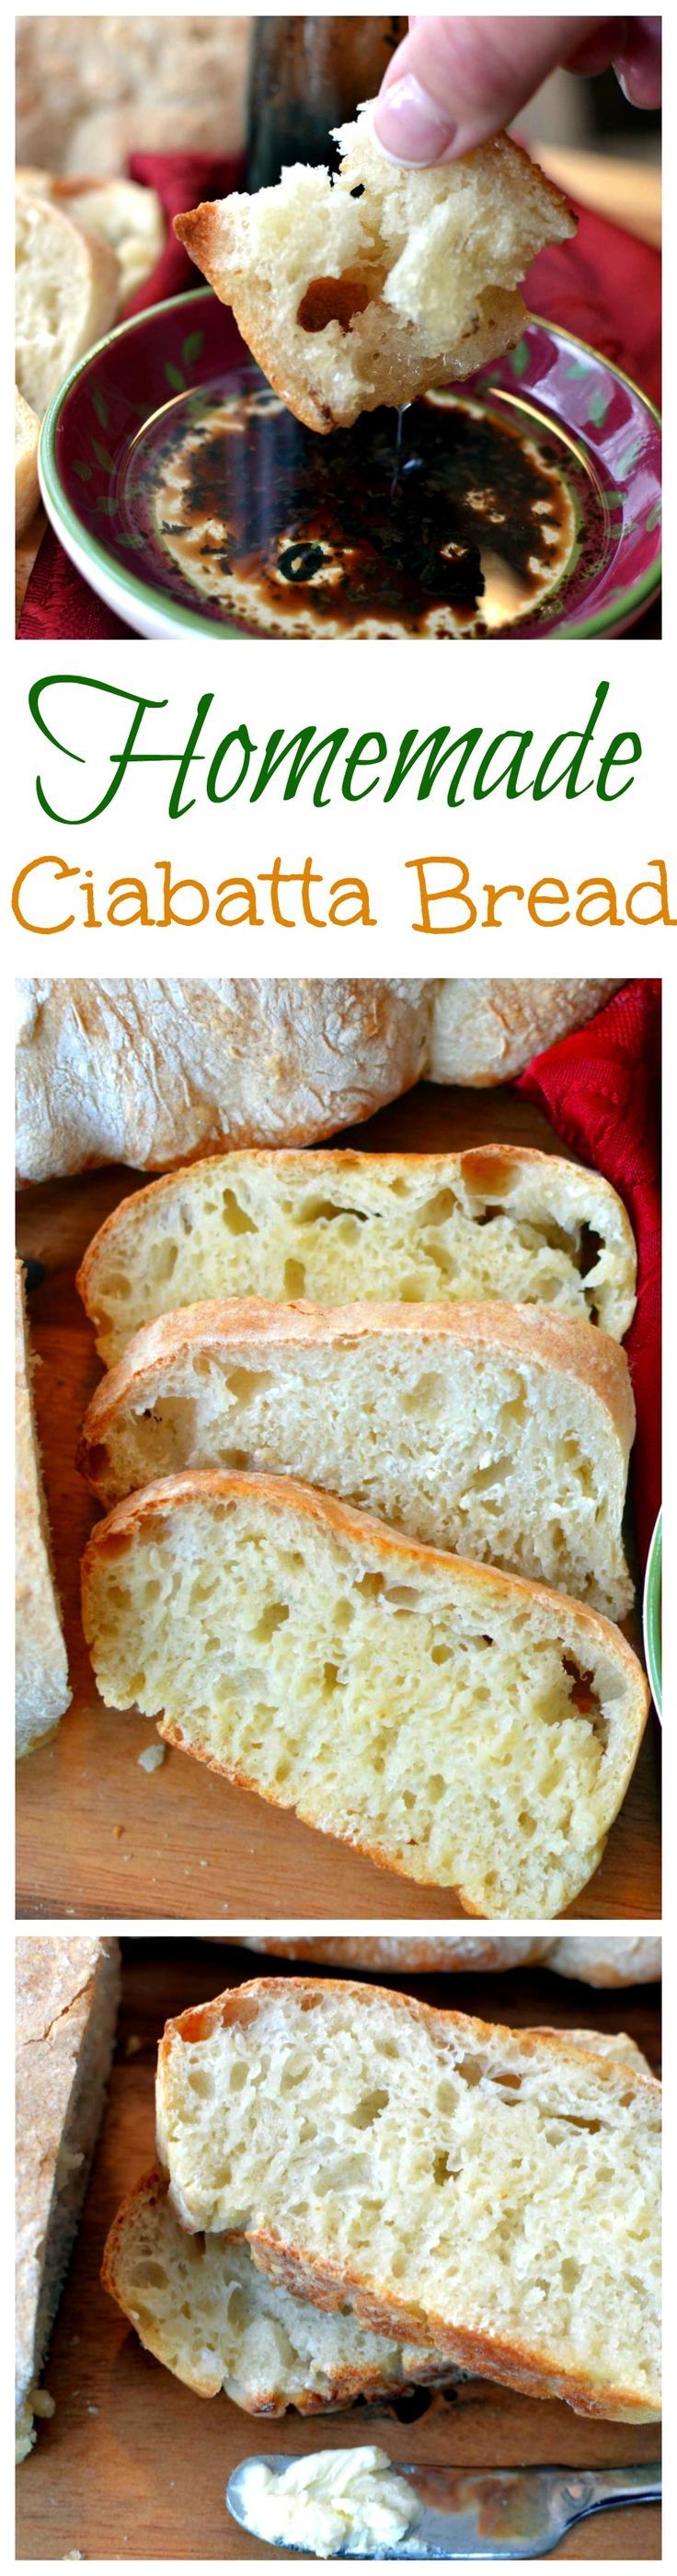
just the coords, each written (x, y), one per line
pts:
(374, 285)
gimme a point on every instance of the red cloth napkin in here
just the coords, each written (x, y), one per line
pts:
(604, 286)
(600, 1090)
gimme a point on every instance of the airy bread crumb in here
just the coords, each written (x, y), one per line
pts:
(462, 1729)
(374, 285)
(491, 2190)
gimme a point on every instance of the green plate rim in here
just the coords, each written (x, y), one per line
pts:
(653, 1643)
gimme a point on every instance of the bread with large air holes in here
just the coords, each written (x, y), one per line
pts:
(492, 2190)
(460, 1727)
(496, 1431)
(210, 2315)
(373, 285)
(496, 1222)
(213, 2318)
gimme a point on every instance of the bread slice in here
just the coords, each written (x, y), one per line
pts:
(493, 1430)
(66, 297)
(114, 210)
(41, 1672)
(613, 1960)
(26, 484)
(206, 2310)
(371, 286)
(497, 1222)
(66, 2008)
(492, 2191)
(464, 1729)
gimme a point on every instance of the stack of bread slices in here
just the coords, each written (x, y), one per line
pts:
(363, 1446)
(355, 2192)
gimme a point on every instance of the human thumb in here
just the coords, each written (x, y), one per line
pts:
(455, 81)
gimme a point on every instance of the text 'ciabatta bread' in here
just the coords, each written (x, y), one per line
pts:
(492, 1430)
(498, 1222)
(460, 1727)
(487, 2190)
(206, 2310)
(372, 285)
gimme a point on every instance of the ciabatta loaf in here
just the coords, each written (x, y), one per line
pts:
(491, 2191)
(460, 1727)
(66, 297)
(372, 285)
(206, 2310)
(610, 1961)
(66, 2007)
(152, 1072)
(492, 1430)
(498, 1222)
(607, 1959)
(41, 1671)
(486, 1028)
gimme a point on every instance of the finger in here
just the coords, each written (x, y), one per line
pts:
(638, 64)
(455, 81)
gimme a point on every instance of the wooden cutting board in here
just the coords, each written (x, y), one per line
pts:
(132, 2465)
(98, 1836)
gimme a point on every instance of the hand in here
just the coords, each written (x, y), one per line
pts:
(455, 81)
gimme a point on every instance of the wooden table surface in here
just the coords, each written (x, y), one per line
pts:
(96, 1835)
(133, 2465)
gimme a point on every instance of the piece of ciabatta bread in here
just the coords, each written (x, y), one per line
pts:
(26, 485)
(42, 1690)
(67, 286)
(118, 211)
(205, 2309)
(463, 1728)
(613, 1961)
(615, 2045)
(486, 1028)
(487, 2190)
(373, 285)
(498, 1222)
(493, 1430)
(66, 2008)
(607, 1959)
(153, 1072)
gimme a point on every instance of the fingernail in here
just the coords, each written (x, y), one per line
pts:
(409, 125)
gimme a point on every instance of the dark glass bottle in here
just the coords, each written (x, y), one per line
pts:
(308, 74)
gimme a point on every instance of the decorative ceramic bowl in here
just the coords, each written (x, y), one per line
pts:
(157, 390)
